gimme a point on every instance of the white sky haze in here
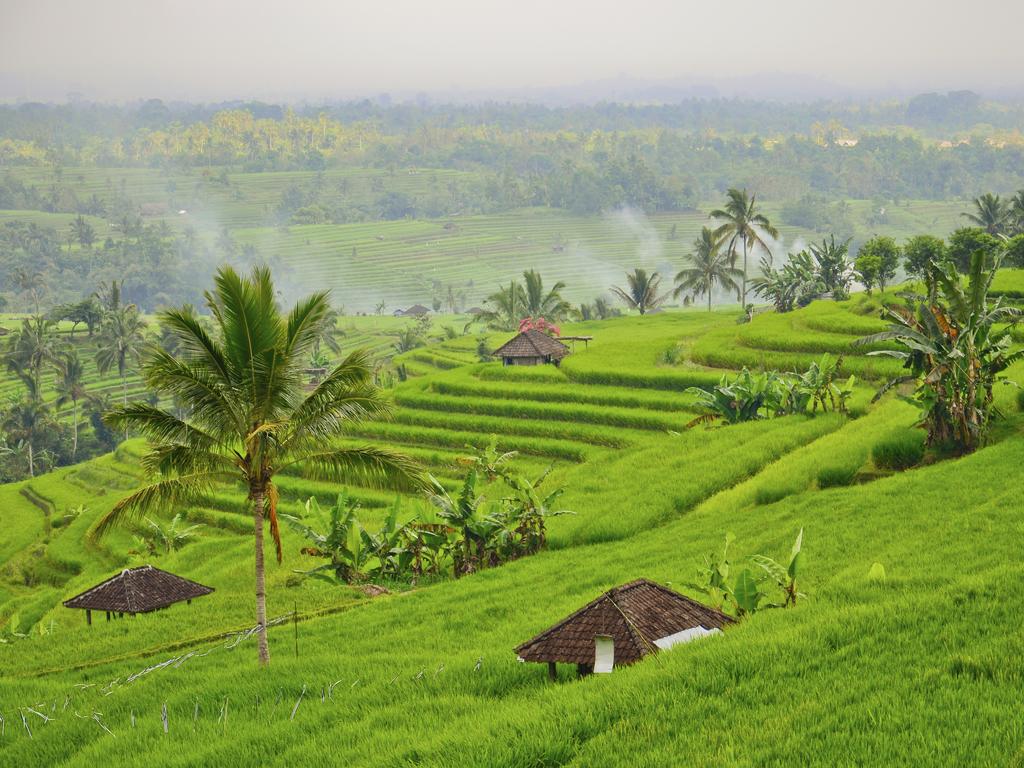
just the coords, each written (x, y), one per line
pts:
(218, 49)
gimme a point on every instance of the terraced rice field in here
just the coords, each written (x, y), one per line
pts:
(400, 261)
(426, 676)
(214, 201)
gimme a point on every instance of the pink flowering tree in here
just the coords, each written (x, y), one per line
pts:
(539, 324)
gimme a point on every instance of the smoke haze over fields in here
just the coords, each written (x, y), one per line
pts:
(533, 49)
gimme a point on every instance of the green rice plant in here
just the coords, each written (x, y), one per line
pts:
(519, 373)
(611, 416)
(591, 434)
(769, 494)
(623, 397)
(836, 476)
(899, 450)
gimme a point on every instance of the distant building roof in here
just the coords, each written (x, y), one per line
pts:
(138, 590)
(532, 343)
(417, 310)
(474, 311)
(640, 617)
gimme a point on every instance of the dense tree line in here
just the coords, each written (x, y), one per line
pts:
(583, 159)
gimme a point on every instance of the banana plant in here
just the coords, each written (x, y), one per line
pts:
(955, 346)
(744, 593)
(784, 577)
(467, 514)
(530, 510)
(737, 400)
(341, 542)
(819, 385)
(389, 545)
(487, 461)
(713, 578)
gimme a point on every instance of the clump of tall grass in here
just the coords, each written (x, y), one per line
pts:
(836, 476)
(899, 450)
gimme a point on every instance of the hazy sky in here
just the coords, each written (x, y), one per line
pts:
(212, 49)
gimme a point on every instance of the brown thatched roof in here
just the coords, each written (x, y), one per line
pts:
(417, 310)
(138, 590)
(636, 616)
(532, 343)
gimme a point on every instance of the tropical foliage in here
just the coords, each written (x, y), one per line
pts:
(708, 268)
(797, 284)
(748, 396)
(250, 417)
(642, 291)
(743, 592)
(465, 533)
(743, 225)
(954, 345)
(506, 307)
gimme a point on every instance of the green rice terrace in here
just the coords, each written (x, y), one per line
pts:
(904, 648)
(404, 258)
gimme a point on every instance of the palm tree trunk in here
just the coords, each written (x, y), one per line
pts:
(74, 438)
(124, 396)
(261, 589)
(744, 274)
(709, 299)
(31, 462)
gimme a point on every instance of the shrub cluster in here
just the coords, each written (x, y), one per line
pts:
(899, 451)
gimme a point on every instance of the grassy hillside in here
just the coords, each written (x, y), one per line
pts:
(398, 261)
(869, 668)
(402, 261)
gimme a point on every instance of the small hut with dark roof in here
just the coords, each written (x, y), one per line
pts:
(531, 347)
(621, 627)
(137, 590)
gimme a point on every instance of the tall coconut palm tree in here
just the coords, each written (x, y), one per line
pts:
(641, 291)
(120, 342)
(33, 284)
(70, 389)
(549, 305)
(742, 224)
(991, 213)
(505, 307)
(1017, 212)
(708, 267)
(33, 345)
(24, 422)
(250, 417)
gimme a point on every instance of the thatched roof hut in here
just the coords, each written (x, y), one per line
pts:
(137, 590)
(531, 347)
(621, 627)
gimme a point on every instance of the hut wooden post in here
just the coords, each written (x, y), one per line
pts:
(108, 615)
(552, 671)
(88, 618)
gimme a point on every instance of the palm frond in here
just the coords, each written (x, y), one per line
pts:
(365, 465)
(161, 495)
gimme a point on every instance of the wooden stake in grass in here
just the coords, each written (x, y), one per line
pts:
(96, 717)
(163, 715)
(299, 701)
